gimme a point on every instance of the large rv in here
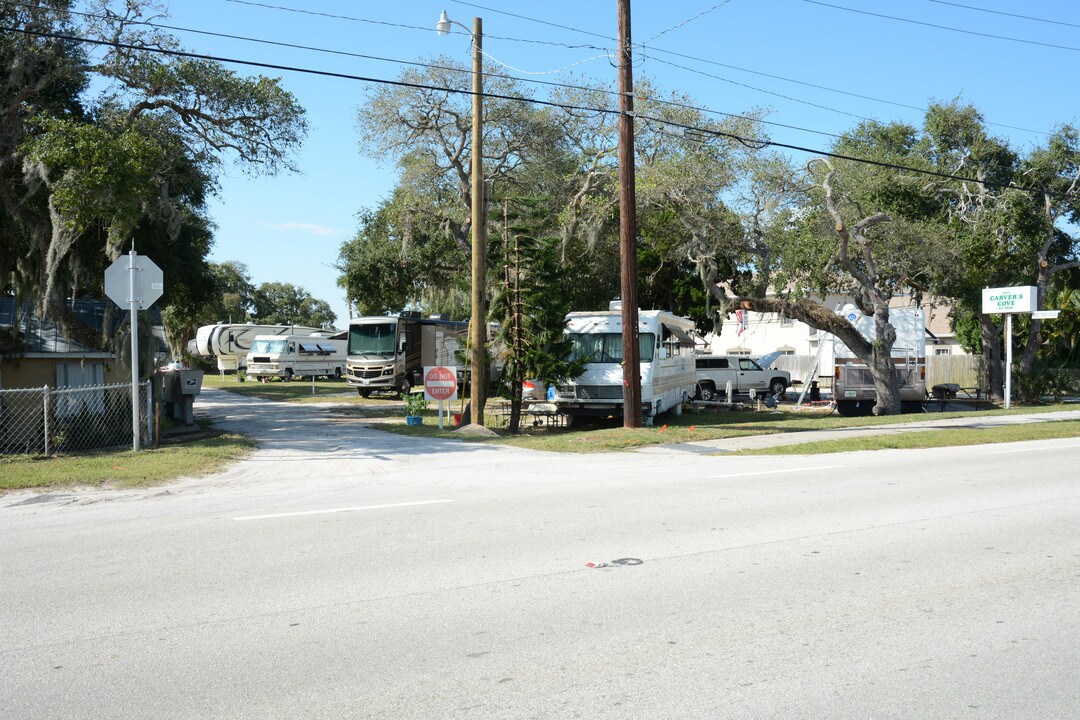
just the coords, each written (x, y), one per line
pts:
(668, 374)
(388, 354)
(853, 383)
(289, 356)
(231, 343)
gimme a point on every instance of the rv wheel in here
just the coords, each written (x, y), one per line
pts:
(406, 386)
(363, 392)
(288, 375)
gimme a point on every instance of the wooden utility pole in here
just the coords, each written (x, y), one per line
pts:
(478, 327)
(628, 227)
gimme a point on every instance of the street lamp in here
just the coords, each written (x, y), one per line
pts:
(479, 227)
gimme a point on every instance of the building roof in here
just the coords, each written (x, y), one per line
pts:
(37, 335)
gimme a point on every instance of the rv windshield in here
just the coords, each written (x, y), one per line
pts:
(268, 346)
(372, 338)
(607, 347)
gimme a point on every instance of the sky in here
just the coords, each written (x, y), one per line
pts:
(819, 68)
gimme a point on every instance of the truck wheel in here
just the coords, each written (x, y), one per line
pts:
(778, 389)
(363, 392)
(705, 392)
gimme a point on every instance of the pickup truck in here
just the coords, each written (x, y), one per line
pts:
(714, 372)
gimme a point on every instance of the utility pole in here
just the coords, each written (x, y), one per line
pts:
(628, 227)
(478, 381)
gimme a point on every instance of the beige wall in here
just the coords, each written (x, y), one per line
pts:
(32, 372)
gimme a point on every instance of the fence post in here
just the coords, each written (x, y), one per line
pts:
(45, 417)
(150, 438)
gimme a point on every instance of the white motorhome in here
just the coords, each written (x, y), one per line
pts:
(668, 374)
(853, 383)
(231, 343)
(289, 356)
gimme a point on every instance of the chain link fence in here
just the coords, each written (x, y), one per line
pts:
(45, 421)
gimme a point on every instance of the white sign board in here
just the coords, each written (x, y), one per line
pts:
(997, 301)
(1045, 314)
(148, 281)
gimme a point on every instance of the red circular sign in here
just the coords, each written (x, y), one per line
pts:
(440, 383)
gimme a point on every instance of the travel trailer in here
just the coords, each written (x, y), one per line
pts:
(231, 343)
(295, 356)
(388, 354)
(668, 376)
(853, 384)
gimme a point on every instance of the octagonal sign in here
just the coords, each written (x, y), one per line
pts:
(149, 284)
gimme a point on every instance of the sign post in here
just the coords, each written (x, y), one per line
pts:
(1007, 302)
(440, 383)
(136, 283)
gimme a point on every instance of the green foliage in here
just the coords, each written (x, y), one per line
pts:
(81, 177)
(531, 310)
(278, 303)
(414, 403)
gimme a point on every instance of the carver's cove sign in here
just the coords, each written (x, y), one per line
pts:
(1023, 299)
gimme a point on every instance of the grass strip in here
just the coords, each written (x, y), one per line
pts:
(917, 439)
(123, 469)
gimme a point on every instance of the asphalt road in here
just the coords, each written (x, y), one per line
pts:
(342, 572)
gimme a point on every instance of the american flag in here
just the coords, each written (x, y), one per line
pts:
(740, 318)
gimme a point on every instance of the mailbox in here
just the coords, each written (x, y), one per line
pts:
(191, 382)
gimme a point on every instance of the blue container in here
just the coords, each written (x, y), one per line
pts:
(414, 420)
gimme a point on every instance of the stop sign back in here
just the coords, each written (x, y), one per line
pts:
(440, 382)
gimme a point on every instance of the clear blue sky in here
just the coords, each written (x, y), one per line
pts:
(818, 68)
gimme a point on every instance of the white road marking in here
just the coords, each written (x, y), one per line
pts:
(780, 472)
(340, 510)
(1042, 448)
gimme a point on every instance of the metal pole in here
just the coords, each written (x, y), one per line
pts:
(45, 418)
(479, 244)
(150, 437)
(628, 227)
(1008, 360)
(133, 311)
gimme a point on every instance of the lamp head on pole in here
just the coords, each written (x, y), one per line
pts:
(443, 26)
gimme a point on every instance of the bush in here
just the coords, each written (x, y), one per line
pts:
(415, 404)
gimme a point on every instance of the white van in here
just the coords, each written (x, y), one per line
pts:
(668, 375)
(294, 356)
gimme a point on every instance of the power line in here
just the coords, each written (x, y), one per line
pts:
(1006, 14)
(739, 69)
(748, 142)
(433, 66)
(686, 22)
(943, 27)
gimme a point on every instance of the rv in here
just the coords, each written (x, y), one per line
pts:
(289, 356)
(388, 354)
(230, 343)
(853, 384)
(668, 376)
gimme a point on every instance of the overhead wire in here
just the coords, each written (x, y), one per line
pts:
(686, 22)
(782, 78)
(434, 66)
(943, 27)
(1006, 14)
(748, 142)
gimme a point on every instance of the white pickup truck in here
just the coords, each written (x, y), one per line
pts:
(714, 372)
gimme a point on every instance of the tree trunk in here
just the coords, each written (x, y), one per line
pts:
(991, 353)
(880, 362)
